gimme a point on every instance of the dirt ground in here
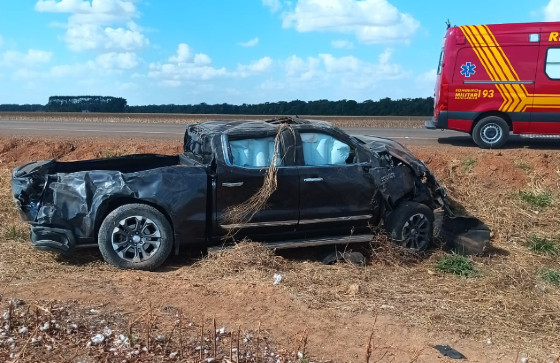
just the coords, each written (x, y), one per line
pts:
(327, 313)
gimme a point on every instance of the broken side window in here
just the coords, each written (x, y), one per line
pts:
(253, 153)
(322, 149)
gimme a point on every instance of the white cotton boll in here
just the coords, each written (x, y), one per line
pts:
(98, 339)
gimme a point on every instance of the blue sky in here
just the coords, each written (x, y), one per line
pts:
(251, 51)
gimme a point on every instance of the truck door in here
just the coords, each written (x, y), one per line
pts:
(241, 176)
(336, 188)
(546, 100)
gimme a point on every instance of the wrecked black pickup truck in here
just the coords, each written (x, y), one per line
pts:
(287, 182)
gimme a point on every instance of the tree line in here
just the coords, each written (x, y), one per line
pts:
(383, 107)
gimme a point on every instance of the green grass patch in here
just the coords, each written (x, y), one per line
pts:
(543, 245)
(457, 265)
(550, 275)
(523, 165)
(469, 163)
(16, 234)
(536, 199)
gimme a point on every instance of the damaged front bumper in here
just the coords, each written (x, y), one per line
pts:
(465, 235)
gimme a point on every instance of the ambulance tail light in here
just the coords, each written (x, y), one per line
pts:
(442, 104)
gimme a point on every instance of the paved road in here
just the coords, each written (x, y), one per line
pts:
(407, 136)
(176, 131)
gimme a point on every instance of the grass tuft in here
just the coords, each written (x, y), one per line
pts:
(469, 163)
(551, 276)
(543, 245)
(523, 165)
(458, 265)
(16, 234)
(536, 199)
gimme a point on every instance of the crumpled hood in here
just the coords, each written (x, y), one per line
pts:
(381, 145)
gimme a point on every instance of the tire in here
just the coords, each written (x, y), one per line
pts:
(411, 225)
(491, 132)
(135, 236)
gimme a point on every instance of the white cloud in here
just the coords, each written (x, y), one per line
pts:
(371, 21)
(113, 60)
(32, 58)
(260, 66)
(105, 25)
(337, 77)
(274, 5)
(250, 43)
(185, 66)
(183, 54)
(342, 44)
(552, 11)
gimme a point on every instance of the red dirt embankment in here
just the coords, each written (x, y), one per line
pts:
(505, 311)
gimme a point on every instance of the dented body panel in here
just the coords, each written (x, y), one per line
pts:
(350, 185)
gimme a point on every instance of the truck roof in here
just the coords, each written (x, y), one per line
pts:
(243, 127)
(519, 27)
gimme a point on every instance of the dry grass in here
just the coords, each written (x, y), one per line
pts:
(507, 301)
(56, 331)
(250, 259)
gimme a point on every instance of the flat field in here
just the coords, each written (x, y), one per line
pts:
(505, 306)
(343, 121)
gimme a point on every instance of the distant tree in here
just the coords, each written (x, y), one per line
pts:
(86, 104)
(22, 108)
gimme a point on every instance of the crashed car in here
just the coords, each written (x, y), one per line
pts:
(286, 182)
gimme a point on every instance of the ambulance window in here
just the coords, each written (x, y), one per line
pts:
(440, 62)
(552, 67)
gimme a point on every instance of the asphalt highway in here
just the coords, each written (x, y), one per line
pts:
(408, 136)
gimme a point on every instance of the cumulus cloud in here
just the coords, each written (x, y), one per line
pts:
(183, 66)
(371, 21)
(274, 5)
(186, 66)
(342, 77)
(250, 43)
(260, 66)
(552, 11)
(32, 58)
(342, 44)
(105, 25)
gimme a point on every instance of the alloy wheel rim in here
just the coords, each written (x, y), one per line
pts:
(416, 232)
(136, 239)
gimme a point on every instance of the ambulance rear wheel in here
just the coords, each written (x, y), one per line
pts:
(491, 132)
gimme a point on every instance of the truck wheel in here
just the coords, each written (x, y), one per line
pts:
(135, 236)
(491, 132)
(411, 225)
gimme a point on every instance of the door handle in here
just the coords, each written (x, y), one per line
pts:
(308, 180)
(230, 185)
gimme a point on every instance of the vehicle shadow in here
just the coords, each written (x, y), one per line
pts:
(514, 142)
(81, 257)
(92, 255)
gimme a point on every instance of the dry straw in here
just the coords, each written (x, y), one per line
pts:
(243, 213)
